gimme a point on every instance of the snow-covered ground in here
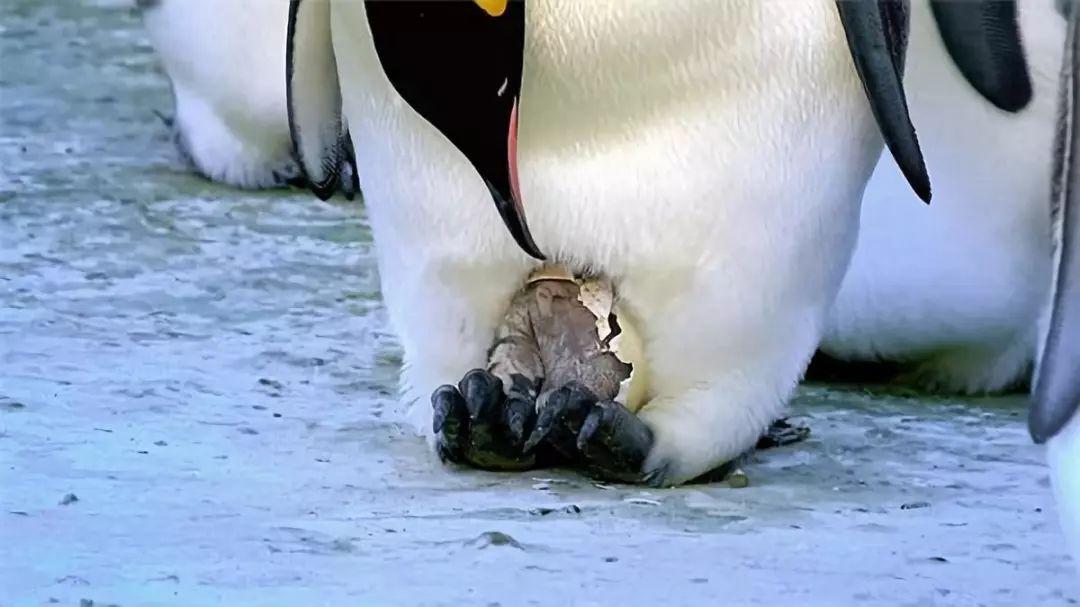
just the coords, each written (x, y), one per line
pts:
(196, 409)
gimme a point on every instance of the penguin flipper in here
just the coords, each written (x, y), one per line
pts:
(320, 138)
(983, 39)
(1056, 393)
(877, 38)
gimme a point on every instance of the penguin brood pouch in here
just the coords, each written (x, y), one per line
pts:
(566, 375)
(564, 379)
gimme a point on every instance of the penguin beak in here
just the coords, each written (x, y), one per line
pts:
(507, 196)
(458, 63)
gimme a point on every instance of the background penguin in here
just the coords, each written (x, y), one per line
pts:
(1055, 408)
(709, 158)
(954, 291)
(226, 62)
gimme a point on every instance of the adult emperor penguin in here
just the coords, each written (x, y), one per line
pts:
(954, 292)
(1055, 408)
(225, 60)
(707, 157)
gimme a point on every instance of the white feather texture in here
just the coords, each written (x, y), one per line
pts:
(226, 61)
(956, 288)
(708, 156)
(1063, 455)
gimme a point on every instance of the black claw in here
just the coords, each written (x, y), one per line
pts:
(614, 442)
(449, 421)
(657, 477)
(483, 393)
(538, 434)
(440, 403)
(483, 397)
(545, 422)
(561, 419)
(781, 433)
(588, 429)
(517, 414)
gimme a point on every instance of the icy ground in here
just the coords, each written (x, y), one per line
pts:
(195, 409)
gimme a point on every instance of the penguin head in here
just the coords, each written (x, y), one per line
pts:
(458, 63)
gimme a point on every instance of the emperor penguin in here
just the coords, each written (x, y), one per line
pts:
(225, 60)
(1055, 409)
(708, 158)
(953, 292)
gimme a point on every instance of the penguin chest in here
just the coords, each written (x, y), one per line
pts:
(649, 129)
(646, 128)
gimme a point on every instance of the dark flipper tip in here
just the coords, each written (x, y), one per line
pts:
(983, 38)
(877, 38)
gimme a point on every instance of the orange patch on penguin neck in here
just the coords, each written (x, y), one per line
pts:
(495, 8)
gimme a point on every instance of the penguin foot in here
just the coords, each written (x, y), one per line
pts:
(478, 425)
(780, 433)
(603, 437)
